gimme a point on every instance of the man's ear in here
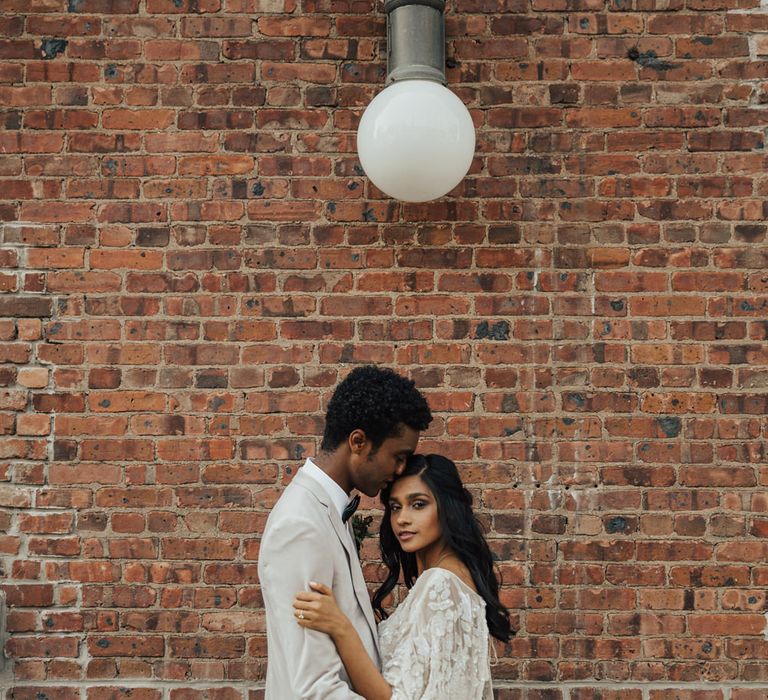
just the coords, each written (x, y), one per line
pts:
(357, 441)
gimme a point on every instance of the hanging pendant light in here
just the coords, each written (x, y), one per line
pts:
(416, 139)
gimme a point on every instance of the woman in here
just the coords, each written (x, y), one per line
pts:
(436, 644)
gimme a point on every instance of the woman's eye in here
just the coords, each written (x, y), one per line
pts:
(419, 505)
(394, 508)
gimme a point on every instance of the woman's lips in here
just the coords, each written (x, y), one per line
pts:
(405, 536)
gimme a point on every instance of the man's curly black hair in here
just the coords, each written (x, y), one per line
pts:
(377, 401)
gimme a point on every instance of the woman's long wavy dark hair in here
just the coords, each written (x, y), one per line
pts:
(461, 532)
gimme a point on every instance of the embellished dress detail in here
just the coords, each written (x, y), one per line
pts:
(435, 646)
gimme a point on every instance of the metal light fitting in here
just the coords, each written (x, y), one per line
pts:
(416, 139)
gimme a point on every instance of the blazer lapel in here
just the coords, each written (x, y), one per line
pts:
(358, 582)
(347, 541)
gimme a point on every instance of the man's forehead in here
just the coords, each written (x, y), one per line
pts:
(407, 438)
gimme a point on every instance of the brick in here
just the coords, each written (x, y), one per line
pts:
(33, 377)
(524, 117)
(206, 548)
(30, 424)
(212, 647)
(725, 141)
(25, 306)
(92, 282)
(305, 26)
(134, 645)
(63, 647)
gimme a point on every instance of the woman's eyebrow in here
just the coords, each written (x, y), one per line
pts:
(411, 496)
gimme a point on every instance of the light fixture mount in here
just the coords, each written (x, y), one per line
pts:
(415, 40)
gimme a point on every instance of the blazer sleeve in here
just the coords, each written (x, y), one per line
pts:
(295, 553)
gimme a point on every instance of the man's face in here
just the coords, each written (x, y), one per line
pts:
(371, 471)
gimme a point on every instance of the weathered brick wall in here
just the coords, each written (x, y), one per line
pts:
(192, 258)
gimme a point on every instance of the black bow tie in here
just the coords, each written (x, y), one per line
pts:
(350, 508)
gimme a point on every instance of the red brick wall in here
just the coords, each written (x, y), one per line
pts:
(192, 258)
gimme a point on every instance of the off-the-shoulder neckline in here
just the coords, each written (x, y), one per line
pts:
(450, 573)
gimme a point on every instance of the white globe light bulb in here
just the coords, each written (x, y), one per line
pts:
(416, 140)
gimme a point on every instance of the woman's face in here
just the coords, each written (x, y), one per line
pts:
(413, 514)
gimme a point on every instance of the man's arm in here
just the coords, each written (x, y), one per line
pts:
(294, 554)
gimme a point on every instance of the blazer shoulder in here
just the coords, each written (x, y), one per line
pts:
(299, 494)
(296, 505)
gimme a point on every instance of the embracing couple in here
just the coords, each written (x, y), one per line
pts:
(323, 641)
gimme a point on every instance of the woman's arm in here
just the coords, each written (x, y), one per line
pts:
(318, 610)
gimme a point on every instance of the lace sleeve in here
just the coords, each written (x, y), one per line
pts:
(443, 649)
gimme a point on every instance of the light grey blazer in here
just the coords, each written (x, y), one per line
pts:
(304, 540)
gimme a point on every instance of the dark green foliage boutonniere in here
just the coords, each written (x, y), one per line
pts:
(360, 529)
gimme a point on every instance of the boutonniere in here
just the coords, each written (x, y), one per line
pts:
(360, 529)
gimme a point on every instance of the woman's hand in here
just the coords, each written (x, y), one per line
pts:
(317, 610)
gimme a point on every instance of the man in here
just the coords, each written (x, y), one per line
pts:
(373, 423)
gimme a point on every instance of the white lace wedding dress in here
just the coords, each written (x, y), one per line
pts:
(435, 646)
